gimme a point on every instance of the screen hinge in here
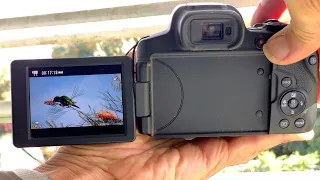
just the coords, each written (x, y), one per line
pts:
(142, 92)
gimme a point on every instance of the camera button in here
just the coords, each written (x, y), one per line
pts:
(293, 103)
(312, 60)
(299, 123)
(284, 103)
(284, 123)
(286, 82)
(260, 41)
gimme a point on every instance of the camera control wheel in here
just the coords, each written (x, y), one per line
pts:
(293, 103)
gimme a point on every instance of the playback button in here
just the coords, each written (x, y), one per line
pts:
(284, 123)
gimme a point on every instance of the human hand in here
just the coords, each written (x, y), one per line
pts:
(150, 158)
(300, 38)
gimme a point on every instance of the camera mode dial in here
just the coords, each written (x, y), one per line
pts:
(272, 25)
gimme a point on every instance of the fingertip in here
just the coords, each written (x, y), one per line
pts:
(268, 55)
(307, 136)
(273, 59)
(268, 9)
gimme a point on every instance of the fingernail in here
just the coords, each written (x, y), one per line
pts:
(277, 49)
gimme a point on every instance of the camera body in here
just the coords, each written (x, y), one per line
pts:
(207, 76)
(204, 76)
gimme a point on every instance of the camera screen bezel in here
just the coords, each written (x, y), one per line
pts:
(21, 103)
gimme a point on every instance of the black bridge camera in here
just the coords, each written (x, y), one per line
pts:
(205, 76)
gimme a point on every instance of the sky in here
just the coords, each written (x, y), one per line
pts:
(46, 88)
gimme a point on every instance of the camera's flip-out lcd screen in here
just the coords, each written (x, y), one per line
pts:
(74, 101)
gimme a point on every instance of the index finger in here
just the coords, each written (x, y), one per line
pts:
(268, 9)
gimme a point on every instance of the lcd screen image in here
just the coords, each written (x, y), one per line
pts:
(75, 97)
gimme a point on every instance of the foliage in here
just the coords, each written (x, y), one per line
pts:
(293, 156)
(112, 47)
(48, 151)
(5, 85)
(268, 161)
(5, 128)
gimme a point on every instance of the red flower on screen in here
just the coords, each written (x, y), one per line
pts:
(106, 115)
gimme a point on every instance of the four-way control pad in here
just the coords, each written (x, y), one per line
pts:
(293, 103)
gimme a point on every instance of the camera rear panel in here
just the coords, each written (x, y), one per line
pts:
(212, 93)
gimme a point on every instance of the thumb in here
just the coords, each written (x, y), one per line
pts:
(300, 38)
